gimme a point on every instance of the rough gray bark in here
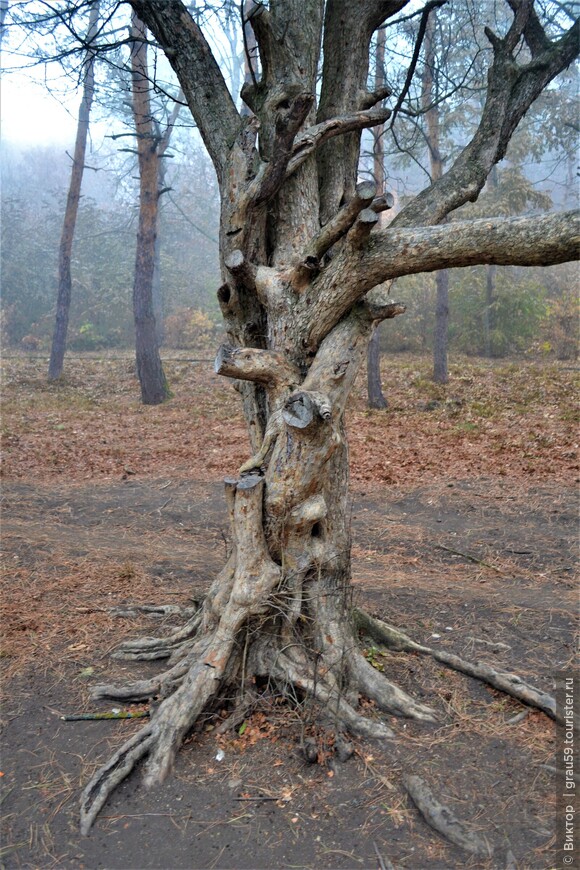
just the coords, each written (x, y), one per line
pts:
(303, 286)
(63, 301)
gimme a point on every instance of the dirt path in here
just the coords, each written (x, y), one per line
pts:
(476, 562)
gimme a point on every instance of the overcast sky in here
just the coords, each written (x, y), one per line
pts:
(31, 115)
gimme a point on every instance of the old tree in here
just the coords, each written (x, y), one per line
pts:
(302, 261)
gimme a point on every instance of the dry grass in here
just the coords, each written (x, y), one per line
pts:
(516, 420)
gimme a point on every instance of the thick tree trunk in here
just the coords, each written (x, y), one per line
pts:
(63, 301)
(300, 298)
(154, 388)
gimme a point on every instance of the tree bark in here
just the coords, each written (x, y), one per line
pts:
(303, 287)
(63, 301)
(152, 380)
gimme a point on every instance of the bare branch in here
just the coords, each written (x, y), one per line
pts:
(534, 240)
(511, 91)
(198, 72)
(428, 8)
(312, 138)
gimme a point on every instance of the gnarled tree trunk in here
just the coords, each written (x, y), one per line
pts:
(299, 262)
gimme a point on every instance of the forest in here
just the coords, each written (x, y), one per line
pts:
(289, 340)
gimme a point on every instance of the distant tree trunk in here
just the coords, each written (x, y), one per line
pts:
(156, 291)
(72, 204)
(441, 334)
(491, 271)
(163, 141)
(154, 388)
(375, 396)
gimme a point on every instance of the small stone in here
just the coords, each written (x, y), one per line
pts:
(234, 784)
(310, 750)
(343, 748)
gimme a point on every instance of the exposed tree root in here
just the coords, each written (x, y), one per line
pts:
(511, 684)
(441, 819)
(111, 774)
(279, 622)
(387, 695)
(335, 706)
(151, 648)
(142, 690)
(131, 610)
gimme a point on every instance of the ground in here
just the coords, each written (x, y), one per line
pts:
(464, 526)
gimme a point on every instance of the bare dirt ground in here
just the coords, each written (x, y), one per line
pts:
(464, 523)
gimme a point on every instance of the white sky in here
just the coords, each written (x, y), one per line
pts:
(30, 115)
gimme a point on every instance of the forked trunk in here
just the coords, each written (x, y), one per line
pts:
(304, 285)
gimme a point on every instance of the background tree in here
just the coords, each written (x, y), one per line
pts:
(429, 99)
(376, 398)
(72, 204)
(299, 263)
(151, 147)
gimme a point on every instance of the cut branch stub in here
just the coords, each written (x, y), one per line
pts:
(304, 408)
(371, 98)
(343, 220)
(385, 311)
(361, 230)
(335, 229)
(242, 270)
(261, 366)
(383, 203)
